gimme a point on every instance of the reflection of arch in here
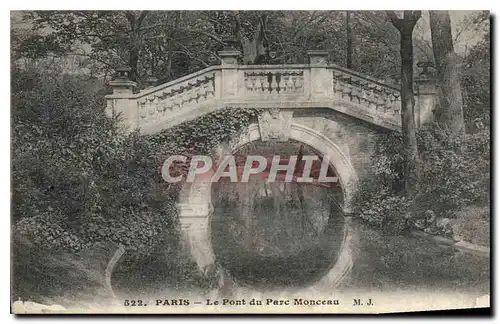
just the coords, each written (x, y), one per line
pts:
(196, 208)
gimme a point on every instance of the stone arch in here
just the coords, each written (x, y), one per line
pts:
(196, 207)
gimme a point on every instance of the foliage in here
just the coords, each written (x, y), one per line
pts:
(476, 81)
(170, 44)
(473, 225)
(453, 172)
(203, 135)
(78, 179)
(167, 267)
(386, 212)
(158, 43)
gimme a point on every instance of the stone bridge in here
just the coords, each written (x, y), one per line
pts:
(337, 111)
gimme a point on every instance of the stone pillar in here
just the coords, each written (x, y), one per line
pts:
(425, 95)
(320, 78)
(229, 78)
(195, 210)
(121, 100)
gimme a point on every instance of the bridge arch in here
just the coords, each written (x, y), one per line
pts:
(196, 207)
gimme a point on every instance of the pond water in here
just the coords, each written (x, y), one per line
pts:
(272, 238)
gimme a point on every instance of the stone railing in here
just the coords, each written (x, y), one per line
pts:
(314, 85)
(170, 99)
(274, 81)
(366, 91)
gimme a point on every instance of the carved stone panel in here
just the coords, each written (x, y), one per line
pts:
(274, 124)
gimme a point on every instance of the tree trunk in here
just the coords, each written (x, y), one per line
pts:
(348, 32)
(405, 27)
(170, 54)
(449, 111)
(254, 50)
(407, 110)
(135, 42)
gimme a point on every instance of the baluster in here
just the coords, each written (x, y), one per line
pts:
(185, 95)
(195, 92)
(337, 85)
(299, 83)
(142, 109)
(396, 105)
(277, 77)
(169, 104)
(151, 106)
(349, 90)
(356, 93)
(262, 81)
(177, 100)
(181, 94)
(160, 106)
(346, 86)
(188, 93)
(343, 89)
(248, 83)
(253, 80)
(167, 107)
(372, 98)
(210, 87)
(387, 100)
(270, 81)
(202, 91)
(380, 97)
(284, 82)
(362, 92)
(290, 84)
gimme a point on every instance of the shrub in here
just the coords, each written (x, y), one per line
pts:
(473, 225)
(79, 180)
(453, 172)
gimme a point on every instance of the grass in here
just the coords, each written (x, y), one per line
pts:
(402, 262)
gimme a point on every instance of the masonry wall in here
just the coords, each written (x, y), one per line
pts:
(355, 137)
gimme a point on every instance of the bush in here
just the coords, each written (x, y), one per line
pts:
(473, 225)
(386, 212)
(79, 180)
(453, 172)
